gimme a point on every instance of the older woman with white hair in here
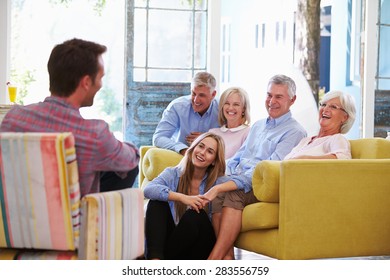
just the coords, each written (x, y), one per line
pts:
(336, 117)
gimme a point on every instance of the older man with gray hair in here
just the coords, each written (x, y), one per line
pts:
(269, 139)
(186, 117)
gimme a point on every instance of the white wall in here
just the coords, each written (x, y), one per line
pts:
(4, 48)
(214, 40)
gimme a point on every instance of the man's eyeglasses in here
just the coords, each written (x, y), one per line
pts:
(333, 107)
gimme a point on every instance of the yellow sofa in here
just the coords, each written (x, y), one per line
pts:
(313, 209)
(153, 161)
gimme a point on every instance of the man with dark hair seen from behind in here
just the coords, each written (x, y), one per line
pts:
(76, 69)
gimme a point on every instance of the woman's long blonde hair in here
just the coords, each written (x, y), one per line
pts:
(187, 169)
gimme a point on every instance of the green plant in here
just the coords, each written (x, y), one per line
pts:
(98, 6)
(23, 81)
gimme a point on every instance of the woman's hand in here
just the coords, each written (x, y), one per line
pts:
(192, 136)
(195, 202)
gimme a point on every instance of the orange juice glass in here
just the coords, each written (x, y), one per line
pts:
(12, 93)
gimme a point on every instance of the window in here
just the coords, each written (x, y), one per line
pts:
(225, 51)
(169, 39)
(260, 36)
(383, 70)
(382, 91)
(353, 42)
(166, 45)
(37, 28)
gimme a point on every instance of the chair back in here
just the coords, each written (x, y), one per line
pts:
(39, 191)
(112, 225)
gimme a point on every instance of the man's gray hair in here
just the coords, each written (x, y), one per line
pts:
(204, 79)
(284, 80)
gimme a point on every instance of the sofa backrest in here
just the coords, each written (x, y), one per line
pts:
(39, 191)
(266, 176)
(370, 148)
(154, 161)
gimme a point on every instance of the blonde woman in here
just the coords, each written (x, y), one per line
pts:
(178, 226)
(234, 119)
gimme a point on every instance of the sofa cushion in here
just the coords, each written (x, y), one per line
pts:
(261, 215)
(156, 160)
(265, 181)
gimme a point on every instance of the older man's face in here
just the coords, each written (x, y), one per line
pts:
(278, 101)
(201, 97)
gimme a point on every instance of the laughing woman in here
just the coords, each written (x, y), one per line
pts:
(336, 117)
(177, 225)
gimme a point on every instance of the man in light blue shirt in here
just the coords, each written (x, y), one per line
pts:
(269, 139)
(187, 117)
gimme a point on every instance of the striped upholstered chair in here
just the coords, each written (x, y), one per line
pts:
(42, 215)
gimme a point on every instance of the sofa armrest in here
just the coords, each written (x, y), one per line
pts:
(142, 151)
(265, 181)
(334, 208)
(155, 160)
(112, 225)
